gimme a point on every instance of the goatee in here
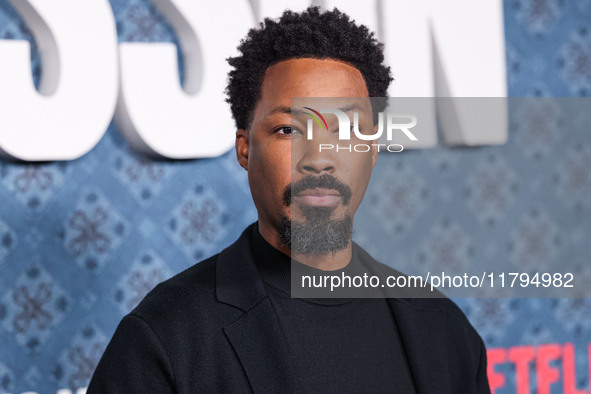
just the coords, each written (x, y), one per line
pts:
(316, 237)
(319, 234)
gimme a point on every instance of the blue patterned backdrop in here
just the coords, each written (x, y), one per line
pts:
(82, 242)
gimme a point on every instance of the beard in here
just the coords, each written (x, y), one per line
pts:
(319, 233)
(312, 238)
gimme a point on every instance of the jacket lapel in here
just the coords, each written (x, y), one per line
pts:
(257, 340)
(256, 336)
(423, 344)
(419, 327)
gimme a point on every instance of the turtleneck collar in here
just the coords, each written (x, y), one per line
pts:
(277, 269)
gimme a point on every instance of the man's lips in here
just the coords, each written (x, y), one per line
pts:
(318, 197)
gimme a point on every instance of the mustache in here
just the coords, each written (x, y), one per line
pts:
(325, 181)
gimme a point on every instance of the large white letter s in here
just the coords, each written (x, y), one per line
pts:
(78, 92)
(154, 112)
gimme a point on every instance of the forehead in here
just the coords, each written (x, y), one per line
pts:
(309, 78)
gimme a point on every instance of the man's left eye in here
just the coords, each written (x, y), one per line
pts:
(287, 130)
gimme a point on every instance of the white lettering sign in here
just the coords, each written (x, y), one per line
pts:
(80, 79)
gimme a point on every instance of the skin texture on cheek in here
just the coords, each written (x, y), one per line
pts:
(269, 174)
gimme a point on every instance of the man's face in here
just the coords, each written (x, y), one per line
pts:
(328, 185)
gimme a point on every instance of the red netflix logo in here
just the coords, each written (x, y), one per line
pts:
(551, 362)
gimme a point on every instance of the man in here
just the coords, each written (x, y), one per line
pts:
(228, 324)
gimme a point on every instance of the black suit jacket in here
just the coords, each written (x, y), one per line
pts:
(212, 328)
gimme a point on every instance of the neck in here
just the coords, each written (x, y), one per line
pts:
(271, 234)
(326, 262)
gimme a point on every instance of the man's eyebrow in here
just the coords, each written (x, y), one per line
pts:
(282, 109)
(351, 107)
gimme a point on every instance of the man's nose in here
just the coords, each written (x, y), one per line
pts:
(314, 162)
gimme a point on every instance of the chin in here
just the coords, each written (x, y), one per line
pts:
(317, 236)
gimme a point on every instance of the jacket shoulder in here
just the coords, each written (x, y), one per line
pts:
(188, 293)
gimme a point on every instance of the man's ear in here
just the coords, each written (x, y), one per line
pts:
(242, 141)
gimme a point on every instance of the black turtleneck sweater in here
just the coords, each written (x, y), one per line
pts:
(340, 345)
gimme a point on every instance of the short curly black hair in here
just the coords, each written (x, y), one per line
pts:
(310, 34)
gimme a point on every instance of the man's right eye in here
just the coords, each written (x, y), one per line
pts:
(287, 130)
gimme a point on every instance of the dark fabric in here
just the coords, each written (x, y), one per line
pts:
(212, 328)
(336, 345)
